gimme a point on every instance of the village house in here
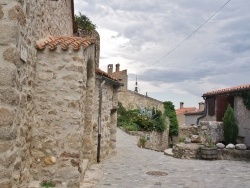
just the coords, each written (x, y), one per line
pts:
(192, 116)
(182, 111)
(56, 104)
(132, 99)
(238, 97)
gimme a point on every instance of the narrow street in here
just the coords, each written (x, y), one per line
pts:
(129, 169)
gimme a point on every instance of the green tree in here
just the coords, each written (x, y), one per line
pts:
(84, 23)
(170, 112)
(230, 126)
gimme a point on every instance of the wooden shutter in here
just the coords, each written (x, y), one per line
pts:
(211, 106)
(222, 103)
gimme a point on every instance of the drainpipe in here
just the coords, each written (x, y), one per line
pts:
(204, 114)
(99, 121)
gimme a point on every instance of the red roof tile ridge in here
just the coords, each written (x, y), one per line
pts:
(103, 73)
(230, 89)
(64, 42)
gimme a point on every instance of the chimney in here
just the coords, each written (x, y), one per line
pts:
(181, 105)
(110, 68)
(117, 67)
(201, 106)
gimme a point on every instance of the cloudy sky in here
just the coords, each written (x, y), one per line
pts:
(177, 48)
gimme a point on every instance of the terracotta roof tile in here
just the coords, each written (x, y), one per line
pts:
(228, 90)
(185, 110)
(195, 112)
(65, 42)
(102, 73)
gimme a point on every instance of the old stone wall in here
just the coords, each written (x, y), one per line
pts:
(212, 129)
(108, 120)
(22, 23)
(242, 115)
(157, 141)
(132, 100)
(61, 89)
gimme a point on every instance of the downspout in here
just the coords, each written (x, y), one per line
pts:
(99, 121)
(73, 17)
(204, 114)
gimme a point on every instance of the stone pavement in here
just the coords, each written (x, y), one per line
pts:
(129, 169)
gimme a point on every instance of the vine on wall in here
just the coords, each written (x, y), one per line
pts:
(246, 98)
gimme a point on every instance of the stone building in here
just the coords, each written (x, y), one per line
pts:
(132, 99)
(216, 105)
(52, 95)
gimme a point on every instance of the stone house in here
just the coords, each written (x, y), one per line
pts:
(216, 105)
(132, 99)
(180, 113)
(54, 100)
(191, 117)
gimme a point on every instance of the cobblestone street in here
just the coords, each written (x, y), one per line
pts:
(129, 169)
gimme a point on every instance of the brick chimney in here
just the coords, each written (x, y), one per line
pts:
(201, 106)
(117, 67)
(110, 69)
(181, 105)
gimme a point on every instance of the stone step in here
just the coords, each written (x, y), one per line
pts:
(168, 152)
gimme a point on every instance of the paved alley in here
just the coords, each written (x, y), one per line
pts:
(129, 169)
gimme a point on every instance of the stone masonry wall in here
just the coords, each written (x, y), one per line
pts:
(108, 120)
(242, 115)
(132, 100)
(60, 95)
(22, 23)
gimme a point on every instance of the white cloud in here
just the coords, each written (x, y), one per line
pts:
(140, 34)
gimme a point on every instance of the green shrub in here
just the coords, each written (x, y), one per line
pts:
(84, 23)
(135, 120)
(170, 112)
(142, 141)
(230, 126)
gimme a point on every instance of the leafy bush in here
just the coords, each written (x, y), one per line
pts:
(134, 120)
(230, 126)
(170, 112)
(84, 23)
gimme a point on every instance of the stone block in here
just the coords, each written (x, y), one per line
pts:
(9, 96)
(4, 173)
(7, 74)
(6, 117)
(16, 13)
(5, 146)
(1, 12)
(5, 183)
(12, 55)
(241, 146)
(50, 160)
(8, 159)
(6, 133)
(8, 33)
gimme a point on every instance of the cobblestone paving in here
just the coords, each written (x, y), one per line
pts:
(129, 169)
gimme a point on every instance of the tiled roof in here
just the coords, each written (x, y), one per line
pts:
(102, 73)
(228, 90)
(185, 110)
(65, 42)
(195, 112)
(118, 73)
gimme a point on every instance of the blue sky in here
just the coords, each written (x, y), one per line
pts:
(140, 34)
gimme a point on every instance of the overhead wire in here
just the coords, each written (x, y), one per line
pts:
(193, 33)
